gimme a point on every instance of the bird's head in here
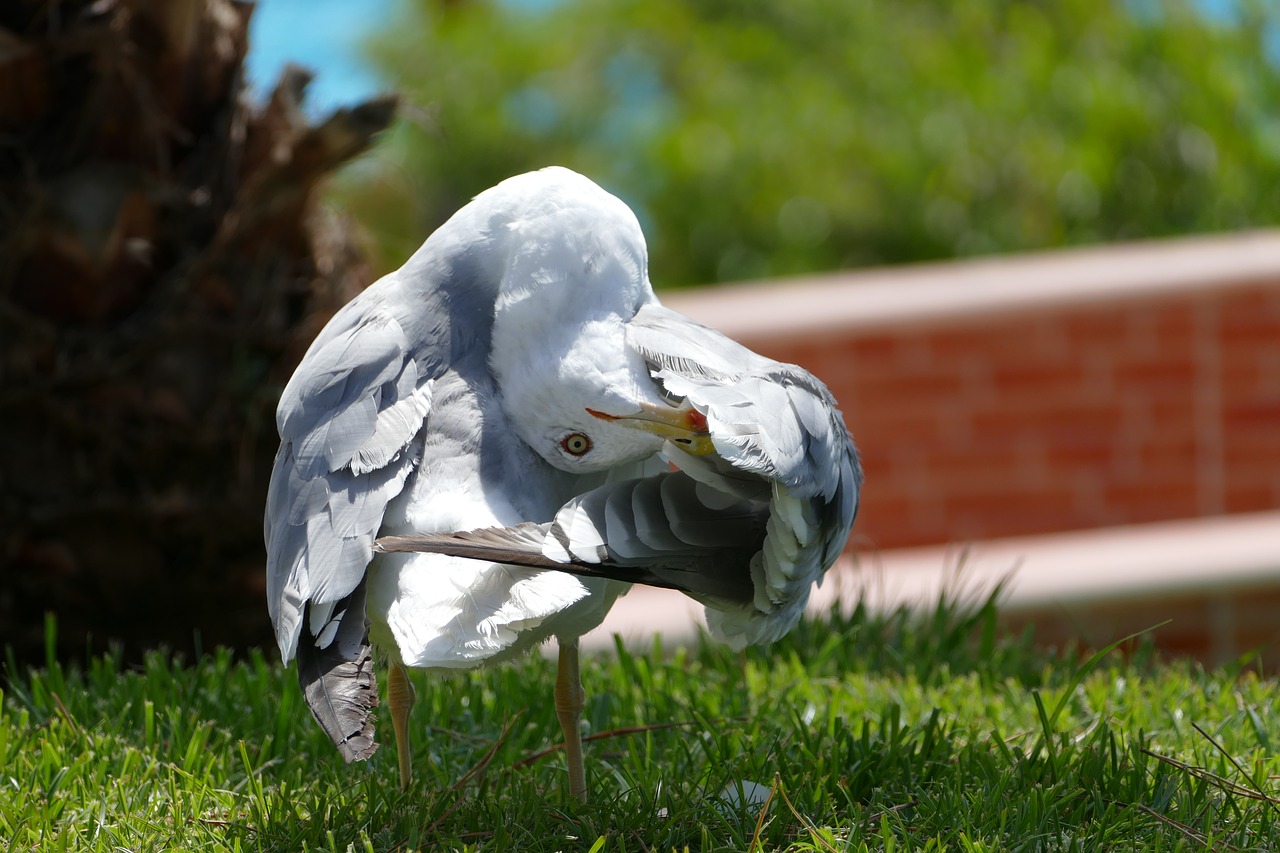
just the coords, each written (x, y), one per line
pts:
(586, 432)
(574, 273)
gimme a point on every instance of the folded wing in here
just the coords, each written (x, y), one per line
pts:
(773, 423)
(349, 422)
(746, 530)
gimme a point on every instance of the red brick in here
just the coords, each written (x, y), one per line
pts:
(1157, 327)
(1248, 371)
(1251, 372)
(1086, 329)
(1252, 493)
(875, 349)
(1245, 471)
(896, 523)
(1154, 500)
(1257, 639)
(1232, 347)
(879, 354)
(1074, 456)
(896, 469)
(809, 354)
(1247, 415)
(880, 501)
(1176, 457)
(1193, 640)
(1254, 497)
(992, 471)
(874, 532)
(1171, 412)
(834, 367)
(1011, 338)
(897, 423)
(1257, 606)
(1039, 377)
(1013, 510)
(1250, 310)
(1174, 373)
(905, 433)
(1252, 445)
(971, 342)
(1055, 420)
(924, 385)
(1096, 624)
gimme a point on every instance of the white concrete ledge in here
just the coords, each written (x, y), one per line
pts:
(1108, 565)
(1112, 564)
(923, 292)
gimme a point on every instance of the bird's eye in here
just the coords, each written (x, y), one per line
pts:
(575, 444)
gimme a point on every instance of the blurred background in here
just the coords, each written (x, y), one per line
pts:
(181, 210)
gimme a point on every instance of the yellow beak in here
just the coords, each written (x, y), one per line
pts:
(684, 425)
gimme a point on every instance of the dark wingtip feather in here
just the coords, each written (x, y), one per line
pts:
(342, 695)
(339, 682)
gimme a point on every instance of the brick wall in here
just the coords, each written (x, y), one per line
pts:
(1061, 391)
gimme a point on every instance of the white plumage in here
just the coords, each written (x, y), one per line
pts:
(514, 399)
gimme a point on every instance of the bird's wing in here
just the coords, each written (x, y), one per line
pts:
(773, 424)
(746, 530)
(349, 421)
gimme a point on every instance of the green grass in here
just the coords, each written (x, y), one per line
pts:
(890, 733)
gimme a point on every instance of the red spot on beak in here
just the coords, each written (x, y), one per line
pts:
(697, 420)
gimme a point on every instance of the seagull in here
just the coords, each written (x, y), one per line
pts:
(486, 447)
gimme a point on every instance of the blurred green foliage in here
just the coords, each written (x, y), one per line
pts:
(763, 139)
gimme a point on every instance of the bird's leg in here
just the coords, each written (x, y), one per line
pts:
(570, 700)
(400, 698)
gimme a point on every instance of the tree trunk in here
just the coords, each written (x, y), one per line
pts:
(163, 265)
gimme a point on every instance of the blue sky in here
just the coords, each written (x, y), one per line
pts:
(323, 35)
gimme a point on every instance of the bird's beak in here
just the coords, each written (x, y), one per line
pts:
(684, 425)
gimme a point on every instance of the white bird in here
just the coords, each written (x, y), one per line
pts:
(517, 377)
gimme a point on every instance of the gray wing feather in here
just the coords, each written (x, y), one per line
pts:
(649, 522)
(696, 524)
(331, 404)
(774, 426)
(348, 421)
(669, 340)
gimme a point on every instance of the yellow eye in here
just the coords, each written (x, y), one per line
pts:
(575, 444)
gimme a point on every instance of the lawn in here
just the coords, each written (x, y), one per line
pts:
(872, 732)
